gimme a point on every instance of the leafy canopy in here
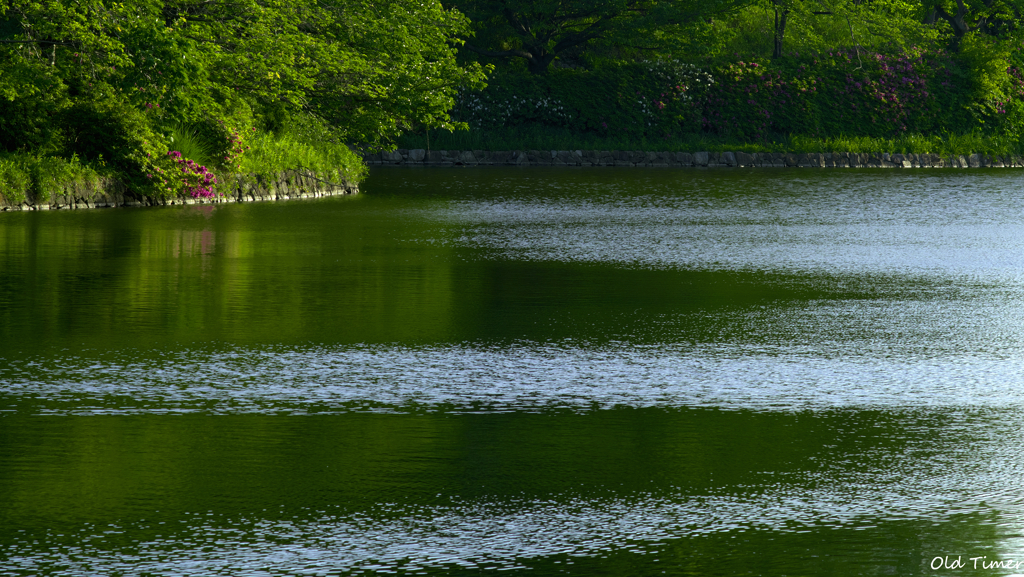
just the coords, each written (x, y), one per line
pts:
(366, 68)
(540, 31)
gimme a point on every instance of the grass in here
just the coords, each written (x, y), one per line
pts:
(534, 137)
(38, 178)
(272, 153)
(186, 140)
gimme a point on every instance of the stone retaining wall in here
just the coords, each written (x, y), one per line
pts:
(246, 188)
(695, 159)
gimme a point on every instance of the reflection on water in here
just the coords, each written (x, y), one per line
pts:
(603, 490)
(533, 371)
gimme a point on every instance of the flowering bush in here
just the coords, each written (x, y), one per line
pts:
(196, 181)
(236, 148)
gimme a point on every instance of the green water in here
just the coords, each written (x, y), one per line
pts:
(504, 371)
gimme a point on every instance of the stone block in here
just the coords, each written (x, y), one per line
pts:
(728, 159)
(700, 159)
(417, 155)
(684, 158)
(812, 160)
(744, 159)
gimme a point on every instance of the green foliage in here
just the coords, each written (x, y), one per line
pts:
(876, 95)
(15, 179)
(841, 94)
(390, 66)
(114, 82)
(822, 26)
(983, 65)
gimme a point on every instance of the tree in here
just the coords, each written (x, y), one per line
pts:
(539, 31)
(369, 68)
(989, 17)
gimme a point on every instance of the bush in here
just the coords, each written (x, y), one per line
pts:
(842, 93)
(119, 137)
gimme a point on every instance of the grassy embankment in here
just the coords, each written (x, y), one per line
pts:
(25, 176)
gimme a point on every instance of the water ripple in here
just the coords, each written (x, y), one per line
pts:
(525, 377)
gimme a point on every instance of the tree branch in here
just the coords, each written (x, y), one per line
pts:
(519, 53)
(54, 42)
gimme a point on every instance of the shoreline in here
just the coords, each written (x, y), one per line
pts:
(421, 157)
(110, 193)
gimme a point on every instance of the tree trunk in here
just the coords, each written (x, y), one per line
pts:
(957, 22)
(780, 29)
(540, 62)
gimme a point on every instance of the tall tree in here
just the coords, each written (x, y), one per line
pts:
(539, 31)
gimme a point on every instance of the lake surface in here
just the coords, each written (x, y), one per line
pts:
(535, 372)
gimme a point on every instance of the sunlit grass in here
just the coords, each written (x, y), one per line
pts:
(187, 141)
(26, 176)
(271, 153)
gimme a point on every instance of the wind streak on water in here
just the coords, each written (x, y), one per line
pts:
(682, 236)
(475, 536)
(525, 377)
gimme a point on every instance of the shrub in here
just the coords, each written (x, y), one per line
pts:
(841, 93)
(644, 98)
